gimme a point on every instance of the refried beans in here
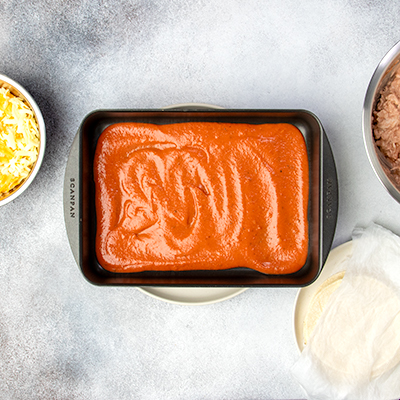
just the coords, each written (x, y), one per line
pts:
(201, 196)
(386, 126)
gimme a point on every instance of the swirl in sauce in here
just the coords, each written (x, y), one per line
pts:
(201, 196)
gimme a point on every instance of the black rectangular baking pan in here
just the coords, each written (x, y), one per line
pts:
(80, 213)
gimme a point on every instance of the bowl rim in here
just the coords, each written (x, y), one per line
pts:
(384, 68)
(19, 90)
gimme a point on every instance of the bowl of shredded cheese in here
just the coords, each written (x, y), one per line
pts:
(22, 139)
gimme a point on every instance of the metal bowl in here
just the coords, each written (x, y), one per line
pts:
(382, 75)
(17, 90)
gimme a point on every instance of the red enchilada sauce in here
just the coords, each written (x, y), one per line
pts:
(201, 195)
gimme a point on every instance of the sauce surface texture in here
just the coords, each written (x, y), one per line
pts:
(201, 195)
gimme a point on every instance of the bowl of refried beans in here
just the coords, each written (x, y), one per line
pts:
(381, 121)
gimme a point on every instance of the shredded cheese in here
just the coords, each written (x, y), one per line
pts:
(19, 141)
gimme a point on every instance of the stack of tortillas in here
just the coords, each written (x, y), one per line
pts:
(343, 322)
(351, 327)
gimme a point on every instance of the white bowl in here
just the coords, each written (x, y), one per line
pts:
(17, 90)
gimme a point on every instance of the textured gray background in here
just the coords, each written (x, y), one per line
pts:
(62, 338)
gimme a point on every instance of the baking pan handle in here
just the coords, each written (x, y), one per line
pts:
(330, 198)
(71, 196)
